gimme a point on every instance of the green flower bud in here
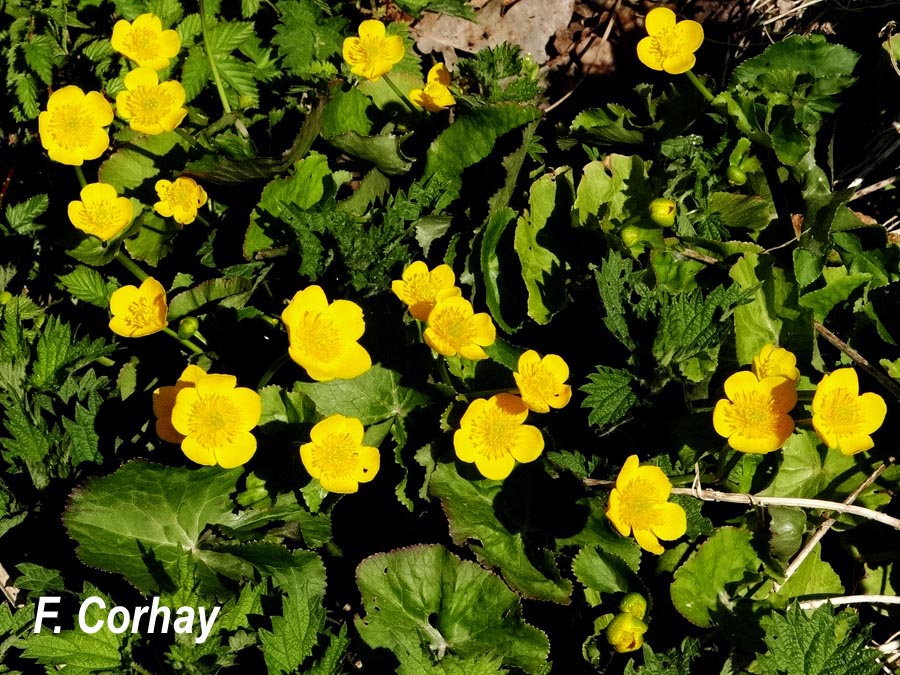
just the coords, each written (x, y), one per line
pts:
(5, 297)
(626, 633)
(187, 327)
(631, 235)
(736, 176)
(634, 604)
(662, 212)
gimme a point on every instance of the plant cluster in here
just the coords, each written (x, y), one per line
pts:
(417, 327)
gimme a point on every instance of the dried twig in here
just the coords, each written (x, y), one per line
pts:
(827, 524)
(882, 378)
(874, 187)
(852, 600)
(10, 593)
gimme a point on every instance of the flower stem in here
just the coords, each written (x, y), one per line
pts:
(274, 368)
(187, 343)
(399, 93)
(214, 69)
(81, 179)
(189, 138)
(707, 94)
(131, 266)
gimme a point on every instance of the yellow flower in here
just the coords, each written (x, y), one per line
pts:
(842, 417)
(336, 456)
(755, 418)
(164, 402)
(71, 128)
(215, 417)
(101, 211)
(492, 434)
(373, 53)
(145, 42)
(454, 328)
(179, 199)
(323, 337)
(773, 361)
(541, 381)
(638, 503)
(418, 287)
(669, 46)
(435, 96)
(137, 312)
(626, 633)
(150, 106)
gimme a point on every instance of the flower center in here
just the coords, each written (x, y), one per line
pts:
(538, 382)
(320, 338)
(141, 42)
(666, 44)
(183, 195)
(71, 126)
(840, 411)
(214, 421)
(99, 216)
(141, 313)
(753, 411)
(453, 325)
(150, 104)
(337, 456)
(639, 502)
(494, 433)
(420, 289)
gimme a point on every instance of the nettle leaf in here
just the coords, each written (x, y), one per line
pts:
(612, 278)
(820, 643)
(22, 218)
(475, 509)
(306, 39)
(88, 285)
(470, 139)
(712, 574)
(374, 396)
(609, 395)
(423, 603)
(76, 649)
(143, 538)
(295, 633)
(541, 268)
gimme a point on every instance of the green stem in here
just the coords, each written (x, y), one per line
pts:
(214, 69)
(707, 94)
(131, 266)
(187, 343)
(399, 93)
(81, 179)
(274, 368)
(189, 138)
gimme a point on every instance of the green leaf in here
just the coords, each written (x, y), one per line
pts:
(332, 661)
(88, 285)
(612, 282)
(234, 290)
(83, 439)
(541, 267)
(750, 212)
(839, 285)
(813, 579)
(295, 633)
(382, 150)
(807, 54)
(153, 241)
(613, 191)
(821, 643)
(610, 125)
(459, 8)
(609, 395)
(471, 138)
(27, 443)
(22, 217)
(38, 579)
(306, 39)
(755, 322)
(126, 170)
(76, 649)
(346, 111)
(477, 512)
(600, 570)
(419, 604)
(710, 575)
(143, 539)
(374, 396)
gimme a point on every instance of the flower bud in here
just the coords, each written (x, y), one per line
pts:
(736, 175)
(187, 327)
(5, 297)
(634, 604)
(626, 633)
(662, 212)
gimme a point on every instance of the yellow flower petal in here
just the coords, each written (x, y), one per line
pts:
(659, 20)
(371, 29)
(648, 541)
(615, 516)
(336, 457)
(198, 453)
(141, 77)
(690, 33)
(671, 522)
(854, 443)
(628, 472)
(98, 108)
(678, 63)
(740, 382)
(495, 468)
(238, 452)
(439, 74)
(348, 317)
(872, 410)
(369, 463)
(529, 445)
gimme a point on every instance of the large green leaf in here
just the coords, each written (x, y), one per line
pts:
(613, 191)
(424, 603)
(839, 285)
(476, 511)
(814, 578)
(138, 521)
(711, 575)
(755, 322)
(374, 396)
(382, 150)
